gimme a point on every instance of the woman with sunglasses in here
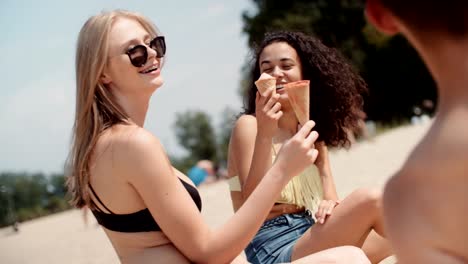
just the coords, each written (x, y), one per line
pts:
(149, 210)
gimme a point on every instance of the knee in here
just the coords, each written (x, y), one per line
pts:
(352, 255)
(370, 199)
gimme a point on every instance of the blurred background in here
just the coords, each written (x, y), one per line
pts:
(209, 49)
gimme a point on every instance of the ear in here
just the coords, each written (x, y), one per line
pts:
(381, 17)
(105, 78)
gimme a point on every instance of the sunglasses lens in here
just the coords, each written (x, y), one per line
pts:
(159, 45)
(138, 55)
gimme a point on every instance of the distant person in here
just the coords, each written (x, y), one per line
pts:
(425, 202)
(201, 172)
(85, 213)
(416, 118)
(16, 226)
(148, 209)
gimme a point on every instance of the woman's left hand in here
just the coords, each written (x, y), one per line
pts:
(325, 209)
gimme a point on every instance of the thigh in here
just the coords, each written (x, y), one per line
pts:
(349, 224)
(275, 239)
(344, 255)
(239, 260)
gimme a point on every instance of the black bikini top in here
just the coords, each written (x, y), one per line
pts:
(141, 221)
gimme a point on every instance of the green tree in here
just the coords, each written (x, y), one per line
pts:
(25, 196)
(195, 134)
(57, 181)
(338, 23)
(397, 78)
(30, 190)
(228, 118)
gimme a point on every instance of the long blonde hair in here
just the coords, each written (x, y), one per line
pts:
(96, 109)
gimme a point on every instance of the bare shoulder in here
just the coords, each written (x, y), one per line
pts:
(425, 202)
(245, 126)
(134, 138)
(132, 146)
(241, 142)
(246, 121)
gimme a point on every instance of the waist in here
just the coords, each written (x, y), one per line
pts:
(285, 218)
(130, 243)
(163, 254)
(282, 208)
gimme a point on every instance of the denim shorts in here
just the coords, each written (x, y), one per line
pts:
(275, 240)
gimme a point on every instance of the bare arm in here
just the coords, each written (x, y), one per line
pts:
(251, 153)
(151, 174)
(330, 197)
(323, 165)
(253, 141)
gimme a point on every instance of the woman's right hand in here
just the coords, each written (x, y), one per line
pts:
(268, 112)
(298, 152)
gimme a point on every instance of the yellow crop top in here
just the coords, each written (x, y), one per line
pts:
(304, 190)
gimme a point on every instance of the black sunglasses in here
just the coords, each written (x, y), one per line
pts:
(139, 54)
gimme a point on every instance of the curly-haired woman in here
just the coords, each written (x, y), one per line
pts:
(289, 232)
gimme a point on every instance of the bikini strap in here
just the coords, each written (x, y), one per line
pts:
(99, 200)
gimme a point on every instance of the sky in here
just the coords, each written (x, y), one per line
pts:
(205, 52)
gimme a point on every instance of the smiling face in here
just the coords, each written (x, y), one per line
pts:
(119, 74)
(281, 61)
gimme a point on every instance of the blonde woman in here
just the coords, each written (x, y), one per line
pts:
(149, 210)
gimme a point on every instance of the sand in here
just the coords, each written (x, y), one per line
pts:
(64, 237)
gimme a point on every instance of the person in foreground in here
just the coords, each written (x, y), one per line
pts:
(269, 121)
(425, 202)
(149, 210)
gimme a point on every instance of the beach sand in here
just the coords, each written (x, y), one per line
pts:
(64, 237)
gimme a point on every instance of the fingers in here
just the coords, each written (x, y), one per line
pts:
(272, 101)
(321, 219)
(329, 210)
(319, 213)
(313, 154)
(261, 99)
(318, 216)
(325, 210)
(277, 115)
(276, 107)
(311, 138)
(305, 130)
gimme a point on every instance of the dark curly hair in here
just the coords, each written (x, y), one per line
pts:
(336, 96)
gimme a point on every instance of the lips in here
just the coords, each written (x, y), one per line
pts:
(150, 69)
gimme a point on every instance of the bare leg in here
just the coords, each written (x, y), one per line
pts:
(376, 247)
(338, 255)
(240, 260)
(349, 224)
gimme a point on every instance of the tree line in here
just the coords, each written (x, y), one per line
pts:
(398, 80)
(25, 196)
